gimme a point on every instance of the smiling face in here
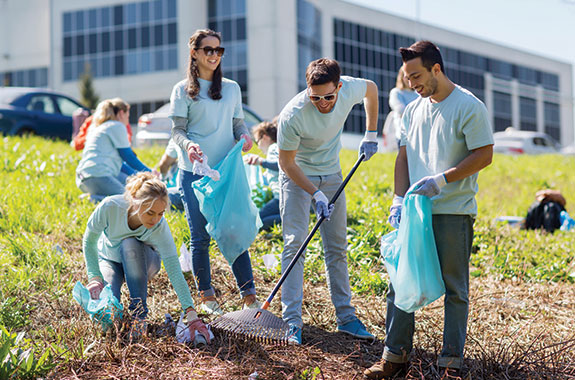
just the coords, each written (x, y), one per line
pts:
(150, 216)
(319, 92)
(423, 81)
(207, 64)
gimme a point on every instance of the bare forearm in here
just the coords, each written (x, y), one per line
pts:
(294, 172)
(371, 105)
(477, 160)
(179, 132)
(401, 173)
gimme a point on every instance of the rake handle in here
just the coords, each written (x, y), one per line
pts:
(311, 234)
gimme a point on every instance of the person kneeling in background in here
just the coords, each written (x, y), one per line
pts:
(545, 212)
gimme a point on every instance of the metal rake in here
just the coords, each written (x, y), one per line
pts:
(260, 324)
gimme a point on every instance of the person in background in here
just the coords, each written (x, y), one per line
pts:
(545, 212)
(107, 159)
(309, 131)
(208, 120)
(79, 141)
(446, 140)
(126, 239)
(170, 174)
(265, 135)
(399, 97)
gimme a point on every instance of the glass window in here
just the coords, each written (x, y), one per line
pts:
(172, 11)
(118, 40)
(105, 41)
(130, 13)
(119, 64)
(67, 22)
(146, 61)
(241, 29)
(67, 46)
(41, 103)
(66, 106)
(118, 15)
(131, 63)
(42, 77)
(79, 20)
(132, 43)
(159, 60)
(93, 43)
(92, 19)
(158, 35)
(145, 36)
(68, 70)
(105, 17)
(80, 44)
(105, 63)
(172, 34)
(172, 58)
(144, 12)
(158, 12)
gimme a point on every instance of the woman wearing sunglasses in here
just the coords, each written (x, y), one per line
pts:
(207, 115)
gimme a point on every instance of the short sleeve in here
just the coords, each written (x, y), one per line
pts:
(476, 127)
(118, 135)
(404, 123)
(238, 109)
(179, 100)
(288, 138)
(358, 88)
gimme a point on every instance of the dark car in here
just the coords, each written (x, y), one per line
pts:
(36, 111)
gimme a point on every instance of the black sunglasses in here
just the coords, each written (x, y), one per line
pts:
(208, 50)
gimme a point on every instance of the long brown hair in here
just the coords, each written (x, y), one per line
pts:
(193, 86)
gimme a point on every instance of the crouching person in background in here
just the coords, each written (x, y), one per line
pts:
(125, 241)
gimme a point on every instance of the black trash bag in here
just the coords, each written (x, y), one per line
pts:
(545, 215)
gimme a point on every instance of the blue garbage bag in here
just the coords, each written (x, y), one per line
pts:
(103, 310)
(410, 256)
(567, 223)
(233, 218)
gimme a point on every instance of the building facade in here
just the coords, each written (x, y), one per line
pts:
(138, 50)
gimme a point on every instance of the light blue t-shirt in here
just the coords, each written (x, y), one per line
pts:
(210, 122)
(108, 226)
(438, 136)
(100, 157)
(316, 136)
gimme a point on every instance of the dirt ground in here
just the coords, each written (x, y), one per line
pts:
(516, 331)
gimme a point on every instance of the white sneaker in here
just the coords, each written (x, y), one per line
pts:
(211, 308)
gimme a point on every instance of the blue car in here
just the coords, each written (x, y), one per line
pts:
(36, 111)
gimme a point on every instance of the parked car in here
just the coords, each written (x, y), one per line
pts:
(156, 127)
(36, 111)
(513, 141)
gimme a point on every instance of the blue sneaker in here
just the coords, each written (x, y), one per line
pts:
(355, 328)
(294, 335)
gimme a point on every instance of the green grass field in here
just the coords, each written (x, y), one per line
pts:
(42, 219)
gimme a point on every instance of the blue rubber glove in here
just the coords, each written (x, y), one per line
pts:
(395, 212)
(368, 145)
(430, 186)
(321, 205)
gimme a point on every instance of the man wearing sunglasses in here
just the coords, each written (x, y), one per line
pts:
(309, 131)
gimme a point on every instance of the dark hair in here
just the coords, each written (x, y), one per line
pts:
(426, 50)
(266, 128)
(322, 71)
(193, 86)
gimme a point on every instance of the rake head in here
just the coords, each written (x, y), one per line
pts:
(257, 324)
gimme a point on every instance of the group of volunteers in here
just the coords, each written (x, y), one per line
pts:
(444, 140)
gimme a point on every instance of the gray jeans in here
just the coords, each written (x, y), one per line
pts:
(295, 211)
(453, 238)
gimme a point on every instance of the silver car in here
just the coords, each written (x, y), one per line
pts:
(156, 127)
(513, 141)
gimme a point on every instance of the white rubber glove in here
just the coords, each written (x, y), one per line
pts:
(368, 144)
(395, 212)
(321, 205)
(430, 186)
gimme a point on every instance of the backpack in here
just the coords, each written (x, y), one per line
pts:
(545, 215)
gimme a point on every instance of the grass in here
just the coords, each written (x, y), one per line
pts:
(522, 281)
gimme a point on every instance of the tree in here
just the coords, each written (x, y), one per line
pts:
(88, 95)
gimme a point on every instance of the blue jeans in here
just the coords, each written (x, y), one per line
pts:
(270, 214)
(101, 187)
(295, 205)
(175, 199)
(200, 245)
(453, 238)
(140, 262)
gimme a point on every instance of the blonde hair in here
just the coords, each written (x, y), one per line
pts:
(144, 188)
(400, 81)
(108, 110)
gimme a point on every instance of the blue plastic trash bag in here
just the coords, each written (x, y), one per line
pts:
(567, 223)
(260, 191)
(103, 310)
(410, 256)
(233, 218)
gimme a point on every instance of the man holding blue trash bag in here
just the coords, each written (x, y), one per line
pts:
(309, 130)
(446, 139)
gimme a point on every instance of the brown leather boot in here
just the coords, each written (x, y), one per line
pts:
(384, 369)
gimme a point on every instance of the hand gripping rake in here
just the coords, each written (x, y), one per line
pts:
(261, 324)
